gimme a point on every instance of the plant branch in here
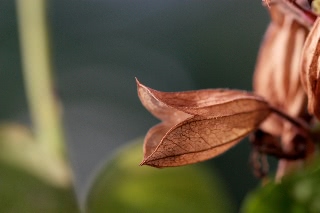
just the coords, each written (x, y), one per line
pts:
(302, 126)
(43, 104)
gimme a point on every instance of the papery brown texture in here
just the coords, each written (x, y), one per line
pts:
(299, 10)
(310, 69)
(277, 70)
(198, 125)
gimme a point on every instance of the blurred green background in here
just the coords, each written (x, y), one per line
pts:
(99, 46)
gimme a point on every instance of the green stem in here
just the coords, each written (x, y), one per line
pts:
(43, 104)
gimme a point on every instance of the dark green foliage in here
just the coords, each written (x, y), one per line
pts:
(23, 192)
(299, 192)
(123, 186)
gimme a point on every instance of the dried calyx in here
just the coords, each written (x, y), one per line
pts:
(198, 125)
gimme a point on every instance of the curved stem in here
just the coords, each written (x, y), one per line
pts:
(34, 42)
(295, 122)
(285, 166)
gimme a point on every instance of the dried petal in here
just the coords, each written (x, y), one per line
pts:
(158, 108)
(296, 10)
(310, 69)
(200, 138)
(168, 106)
(154, 135)
(209, 122)
(277, 71)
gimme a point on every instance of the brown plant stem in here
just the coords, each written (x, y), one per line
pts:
(304, 16)
(285, 166)
(299, 124)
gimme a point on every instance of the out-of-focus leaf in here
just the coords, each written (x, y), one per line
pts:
(19, 149)
(22, 192)
(122, 186)
(299, 192)
(32, 180)
(198, 125)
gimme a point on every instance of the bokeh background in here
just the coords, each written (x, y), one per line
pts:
(99, 46)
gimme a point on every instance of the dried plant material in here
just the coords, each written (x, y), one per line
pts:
(277, 71)
(299, 10)
(298, 149)
(198, 125)
(310, 69)
(266, 143)
(277, 78)
(158, 108)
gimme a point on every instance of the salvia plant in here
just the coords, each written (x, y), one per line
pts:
(280, 116)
